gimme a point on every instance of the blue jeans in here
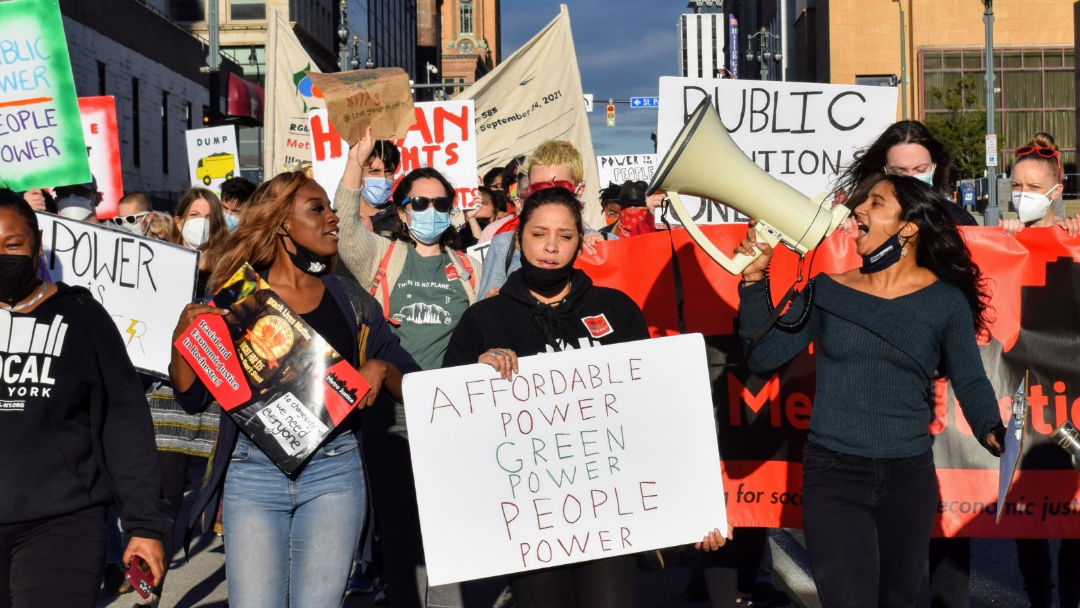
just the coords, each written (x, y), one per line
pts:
(290, 543)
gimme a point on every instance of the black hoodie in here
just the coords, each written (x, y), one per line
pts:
(75, 428)
(514, 319)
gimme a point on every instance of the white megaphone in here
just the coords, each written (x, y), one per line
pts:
(704, 161)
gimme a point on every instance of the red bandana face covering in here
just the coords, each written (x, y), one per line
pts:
(630, 217)
(534, 188)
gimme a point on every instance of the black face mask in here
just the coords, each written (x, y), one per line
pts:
(546, 281)
(304, 258)
(18, 277)
(884, 256)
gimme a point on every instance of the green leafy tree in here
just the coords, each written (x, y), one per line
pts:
(962, 129)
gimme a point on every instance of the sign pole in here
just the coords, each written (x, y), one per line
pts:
(993, 213)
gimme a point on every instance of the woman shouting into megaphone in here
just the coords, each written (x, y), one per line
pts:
(910, 313)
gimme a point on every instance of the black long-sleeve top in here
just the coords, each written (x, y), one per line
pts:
(875, 358)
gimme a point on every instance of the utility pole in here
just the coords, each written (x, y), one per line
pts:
(343, 36)
(992, 216)
(903, 60)
(213, 64)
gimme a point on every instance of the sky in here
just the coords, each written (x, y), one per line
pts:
(623, 48)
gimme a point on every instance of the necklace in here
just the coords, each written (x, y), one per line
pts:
(44, 285)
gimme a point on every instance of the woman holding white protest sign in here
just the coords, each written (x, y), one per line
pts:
(291, 540)
(77, 435)
(883, 332)
(549, 306)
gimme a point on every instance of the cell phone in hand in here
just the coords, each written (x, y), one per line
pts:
(140, 577)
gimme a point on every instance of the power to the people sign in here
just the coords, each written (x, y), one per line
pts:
(41, 136)
(584, 454)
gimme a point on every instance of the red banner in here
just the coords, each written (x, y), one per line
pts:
(763, 419)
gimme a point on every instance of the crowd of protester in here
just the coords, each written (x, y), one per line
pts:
(382, 275)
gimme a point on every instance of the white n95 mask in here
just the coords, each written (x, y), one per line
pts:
(1031, 206)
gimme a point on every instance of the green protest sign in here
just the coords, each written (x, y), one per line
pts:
(41, 137)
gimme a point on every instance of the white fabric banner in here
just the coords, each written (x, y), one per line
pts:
(289, 97)
(586, 454)
(534, 96)
(802, 133)
(144, 283)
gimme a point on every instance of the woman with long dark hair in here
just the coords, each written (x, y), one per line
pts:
(883, 331)
(290, 540)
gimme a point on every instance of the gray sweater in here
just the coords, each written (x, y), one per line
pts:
(875, 359)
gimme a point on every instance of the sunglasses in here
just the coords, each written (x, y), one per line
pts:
(1046, 153)
(129, 219)
(420, 203)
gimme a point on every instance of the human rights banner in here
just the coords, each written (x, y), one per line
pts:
(41, 138)
(143, 283)
(585, 454)
(290, 94)
(801, 133)
(534, 96)
(763, 418)
(103, 150)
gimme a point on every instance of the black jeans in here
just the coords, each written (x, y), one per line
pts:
(867, 523)
(600, 583)
(53, 562)
(1033, 557)
(950, 572)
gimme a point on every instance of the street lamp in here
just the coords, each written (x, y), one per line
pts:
(253, 60)
(903, 60)
(343, 36)
(768, 50)
(993, 214)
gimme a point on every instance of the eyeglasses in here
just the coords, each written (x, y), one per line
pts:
(420, 203)
(129, 219)
(1046, 153)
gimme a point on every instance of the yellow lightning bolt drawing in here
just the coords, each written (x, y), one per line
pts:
(131, 330)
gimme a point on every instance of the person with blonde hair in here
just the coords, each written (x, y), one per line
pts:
(1036, 183)
(163, 226)
(291, 540)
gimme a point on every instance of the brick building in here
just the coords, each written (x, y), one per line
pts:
(471, 39)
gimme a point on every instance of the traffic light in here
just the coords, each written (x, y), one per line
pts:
(611, 115)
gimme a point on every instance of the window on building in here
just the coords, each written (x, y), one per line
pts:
(187, 115)
(240, 10)
(466, 17)
(101, 78)
(187, 10)
(165, 132)
(1036, 93)
(136, 144)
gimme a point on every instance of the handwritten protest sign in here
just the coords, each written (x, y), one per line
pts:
(103, 150)
(212, 156)
(479, 251)
(626, 167)
(380, 98)
(442, 138)
(144, 283)
(585, 454)
(801, 133)
(277, 379)
(41, 143)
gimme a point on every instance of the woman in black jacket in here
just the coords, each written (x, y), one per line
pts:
(76, 434)
(549, 306)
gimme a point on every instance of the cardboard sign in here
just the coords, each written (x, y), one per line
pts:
(144, 283)
(583, 455)
(442, 138)
(804, 134)
(380, 98)
(41, 142)
(103, 150)
(280, 381)
(626, 167)
(212, 156)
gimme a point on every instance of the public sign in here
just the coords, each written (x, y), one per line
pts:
(583, 455)
(626, 167)
(212, 156)
(41, 140)
(103, 150)
(733, 47)
(644, 102)
(991, 150)
(443, 137)
(144, 283)
(804, 134)
(588, 102)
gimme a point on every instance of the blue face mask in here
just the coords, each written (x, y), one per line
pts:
(231, 221)
(428, 225)
(377, 190)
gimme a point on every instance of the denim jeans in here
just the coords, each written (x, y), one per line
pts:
(290, 543)
(867, 523)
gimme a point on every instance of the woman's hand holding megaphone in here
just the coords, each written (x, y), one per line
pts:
(756, 270)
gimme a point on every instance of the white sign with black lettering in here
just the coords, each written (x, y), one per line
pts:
(143, 283)
(801, 133)
(626, 167)
(582, 455)
(290, 422)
